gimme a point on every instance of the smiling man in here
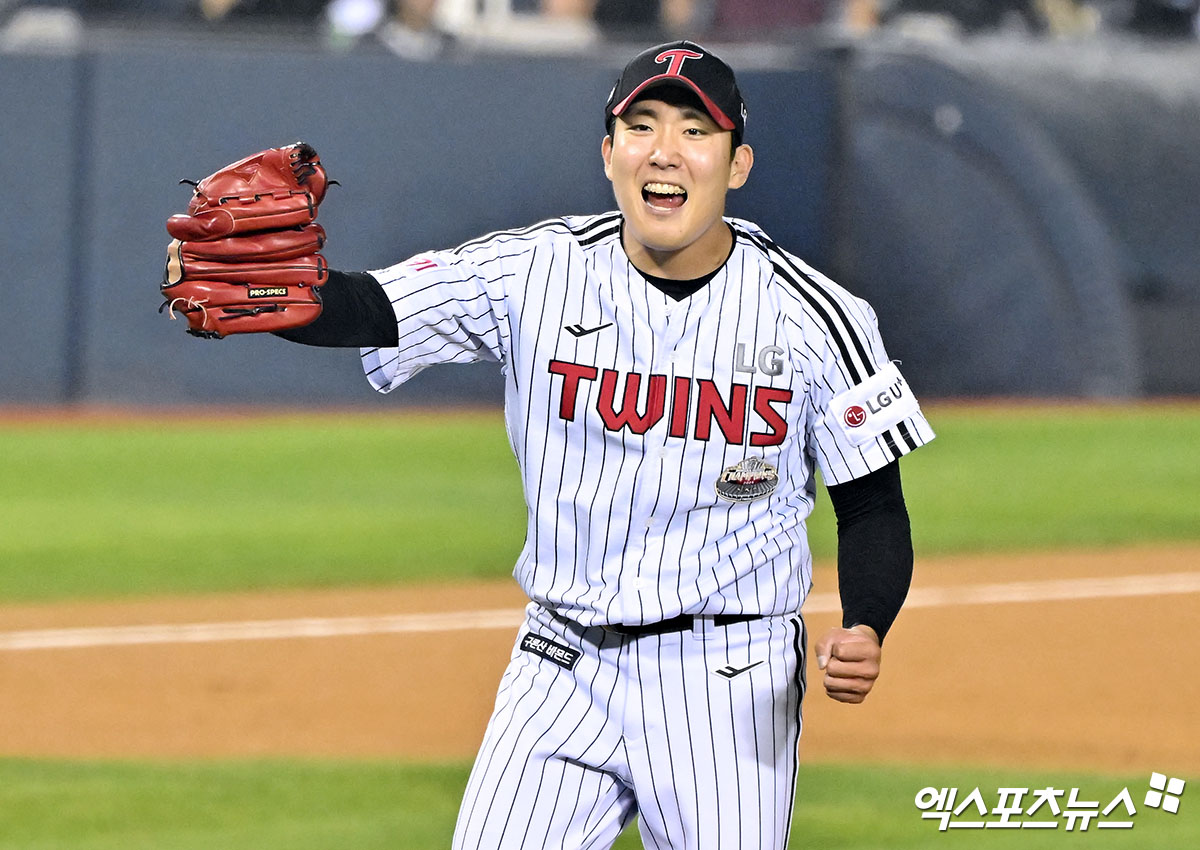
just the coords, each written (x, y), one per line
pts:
(673, 382)
(672, 153)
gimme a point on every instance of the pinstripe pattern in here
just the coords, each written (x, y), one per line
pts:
(568, 752)
(623, 408)
(625, 525)
(850, 335)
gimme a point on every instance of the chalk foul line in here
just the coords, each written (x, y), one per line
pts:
(510, 618)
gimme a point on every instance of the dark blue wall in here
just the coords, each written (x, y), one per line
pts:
(992, 267)
(1021, 217)
(427, 155)
(38, 178)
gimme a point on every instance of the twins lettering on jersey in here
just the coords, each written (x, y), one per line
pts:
(693, 406)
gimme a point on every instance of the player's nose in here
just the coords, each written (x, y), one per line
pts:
(665, 152)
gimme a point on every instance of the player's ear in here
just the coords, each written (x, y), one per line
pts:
(606, 146)
(739, 169)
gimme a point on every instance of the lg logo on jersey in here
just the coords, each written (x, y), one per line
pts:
(695, 406)
(769, 360)
(855, 416)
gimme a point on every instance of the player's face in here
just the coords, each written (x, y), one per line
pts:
(671, 167)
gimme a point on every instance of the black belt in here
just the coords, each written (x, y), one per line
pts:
(678, 624)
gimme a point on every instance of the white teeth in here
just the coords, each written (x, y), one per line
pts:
(664, 189)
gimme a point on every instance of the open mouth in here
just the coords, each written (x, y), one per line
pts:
(664, 196)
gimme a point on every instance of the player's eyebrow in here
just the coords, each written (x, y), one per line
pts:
(645, 109)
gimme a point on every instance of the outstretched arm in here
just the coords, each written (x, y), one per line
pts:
(355, 313)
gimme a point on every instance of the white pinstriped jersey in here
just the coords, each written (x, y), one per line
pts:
(625, 407)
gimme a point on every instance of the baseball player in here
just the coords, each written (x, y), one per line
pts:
(673, 382)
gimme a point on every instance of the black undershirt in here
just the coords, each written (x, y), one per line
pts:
(355, 313)
(875, 554)
(875, 557)
(679, 289)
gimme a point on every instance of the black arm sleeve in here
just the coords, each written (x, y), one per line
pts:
(355, 313)
(875, 554)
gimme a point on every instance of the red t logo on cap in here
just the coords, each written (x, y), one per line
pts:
(676, 57)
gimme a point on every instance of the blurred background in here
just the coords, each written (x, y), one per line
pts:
(1011, 184)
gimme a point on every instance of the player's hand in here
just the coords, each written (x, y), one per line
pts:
(850, 659)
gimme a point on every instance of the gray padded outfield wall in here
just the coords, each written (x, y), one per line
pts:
(1126, 116)
(1024, 211)
(1004, 242)
(427, 156)
(969, 224)
(38, 177)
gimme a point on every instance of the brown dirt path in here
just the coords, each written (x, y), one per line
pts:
(1105, 684)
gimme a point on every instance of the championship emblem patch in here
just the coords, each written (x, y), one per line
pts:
(752, 478)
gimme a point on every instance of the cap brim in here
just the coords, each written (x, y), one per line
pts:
(723, 120)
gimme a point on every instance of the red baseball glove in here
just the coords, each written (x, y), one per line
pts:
(245, 258)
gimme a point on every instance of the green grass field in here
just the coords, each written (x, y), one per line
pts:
(309, 502)
(284, 805)
(284, 501)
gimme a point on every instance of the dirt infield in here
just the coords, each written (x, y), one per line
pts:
(1107, 682)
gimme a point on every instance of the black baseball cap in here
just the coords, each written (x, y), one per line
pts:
(686, 64)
